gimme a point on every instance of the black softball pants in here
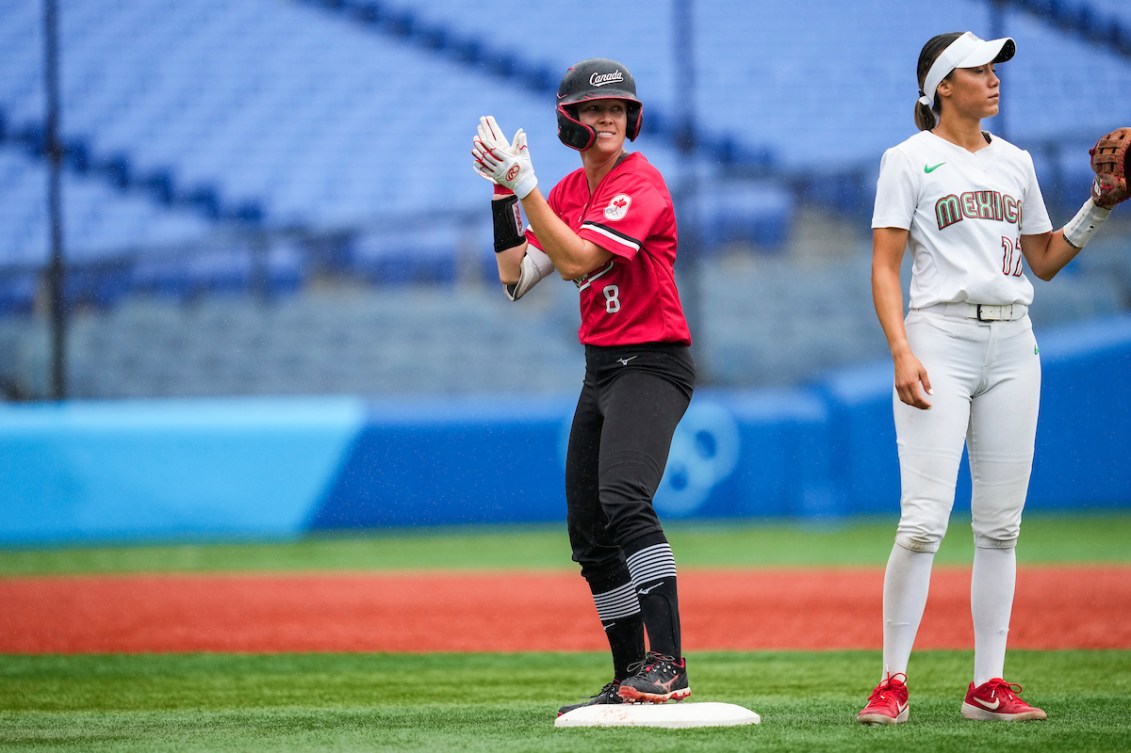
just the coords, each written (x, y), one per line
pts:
(632, 399)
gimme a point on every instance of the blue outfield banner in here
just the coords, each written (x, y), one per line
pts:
(168, 468)
(281, 467)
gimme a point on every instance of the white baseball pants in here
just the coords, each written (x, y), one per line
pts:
(986, 379)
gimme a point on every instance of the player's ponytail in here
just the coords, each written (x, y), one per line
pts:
(926, 117)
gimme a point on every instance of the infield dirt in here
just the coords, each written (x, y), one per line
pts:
(1055, 608)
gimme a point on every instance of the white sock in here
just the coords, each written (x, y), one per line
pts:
(991, 604)
(906, 582)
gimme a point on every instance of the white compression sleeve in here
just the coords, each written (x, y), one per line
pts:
(1084, 225)
(535, 266)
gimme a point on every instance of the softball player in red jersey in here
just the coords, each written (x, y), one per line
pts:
(610, 227)
(967, 369)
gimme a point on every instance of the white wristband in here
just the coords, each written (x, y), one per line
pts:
(1084, 225)
(525, 184)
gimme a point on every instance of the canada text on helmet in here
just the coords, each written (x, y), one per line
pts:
(595, 78)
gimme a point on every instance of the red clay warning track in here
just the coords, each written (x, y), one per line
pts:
(1055, 608)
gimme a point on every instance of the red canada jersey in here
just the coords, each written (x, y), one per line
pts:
(632, 299)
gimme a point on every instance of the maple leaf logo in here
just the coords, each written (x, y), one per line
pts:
(618, 207)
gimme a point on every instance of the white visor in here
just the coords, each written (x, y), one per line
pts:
(968, 51)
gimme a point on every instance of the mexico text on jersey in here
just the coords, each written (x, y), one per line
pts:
(978, 205)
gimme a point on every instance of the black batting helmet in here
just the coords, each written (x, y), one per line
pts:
(595, 78)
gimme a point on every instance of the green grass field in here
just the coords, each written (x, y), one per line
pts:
(504, 703)
(1046, 539)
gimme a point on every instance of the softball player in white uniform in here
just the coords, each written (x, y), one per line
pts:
(967, 366)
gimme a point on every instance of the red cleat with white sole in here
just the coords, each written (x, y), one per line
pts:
(998, 701)
(888, 702)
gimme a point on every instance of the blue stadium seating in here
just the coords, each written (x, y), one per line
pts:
(341, 129)
(287, 112)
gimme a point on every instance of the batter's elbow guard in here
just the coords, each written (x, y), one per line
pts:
(535, 266)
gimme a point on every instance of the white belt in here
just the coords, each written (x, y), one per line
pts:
(983, 312)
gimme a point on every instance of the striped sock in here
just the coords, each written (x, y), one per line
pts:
(654, 576)
(618, 603)
(619, 612)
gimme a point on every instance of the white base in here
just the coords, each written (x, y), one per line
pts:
(686, 714)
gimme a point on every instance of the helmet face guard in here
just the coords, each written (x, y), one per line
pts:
(596, 78)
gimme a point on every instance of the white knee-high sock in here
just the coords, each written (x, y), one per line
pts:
(906, 582)
(991, 604)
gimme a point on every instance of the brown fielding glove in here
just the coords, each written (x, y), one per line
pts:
(1109, 161)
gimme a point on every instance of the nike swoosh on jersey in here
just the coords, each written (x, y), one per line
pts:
(931, 168)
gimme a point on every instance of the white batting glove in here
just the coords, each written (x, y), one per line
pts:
(506, 164)
(489, 133)
(490, 136)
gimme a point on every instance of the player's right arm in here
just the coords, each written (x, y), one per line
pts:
(888, 244)
(510, 243)
(522, 265)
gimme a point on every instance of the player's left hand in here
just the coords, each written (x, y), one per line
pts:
(507, 164)
(1109, 161)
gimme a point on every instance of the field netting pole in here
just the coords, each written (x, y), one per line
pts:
(56, 271)
(687, 190)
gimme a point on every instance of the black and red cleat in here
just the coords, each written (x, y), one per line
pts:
(608, 695)
(658, 679)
